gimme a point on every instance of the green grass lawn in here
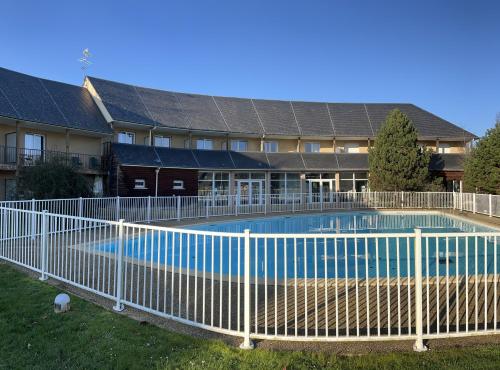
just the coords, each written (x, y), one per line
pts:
(32, 336)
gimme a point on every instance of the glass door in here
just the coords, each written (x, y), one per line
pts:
(250, 192)
(320, 189)
(10, 147)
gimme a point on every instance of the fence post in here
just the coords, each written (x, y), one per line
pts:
(490, 201)
(207, 204)
(178, 208)
(247, 343)
(461, 202)
(33, 219)
(293, 202)
(43, 246)
(119, 274)
(402, 199)
(474, 203)
(117, 208)
(148, 215)
(419, 343)
(80, 214)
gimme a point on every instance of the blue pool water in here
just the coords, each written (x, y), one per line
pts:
(303, 257)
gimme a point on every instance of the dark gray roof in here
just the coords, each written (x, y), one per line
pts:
(142, 155)
(146, 106)
(28, 98)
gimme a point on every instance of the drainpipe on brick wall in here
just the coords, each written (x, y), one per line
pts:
(157, 171)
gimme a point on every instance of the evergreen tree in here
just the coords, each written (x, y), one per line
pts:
(482, 165)
(52, 178)
(397, 163)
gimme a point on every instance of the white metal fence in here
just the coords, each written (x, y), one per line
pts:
(314, 287)
(147, 209)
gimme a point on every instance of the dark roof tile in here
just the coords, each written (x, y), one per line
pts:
(29, 98)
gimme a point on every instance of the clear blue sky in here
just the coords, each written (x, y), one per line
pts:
(441, 55)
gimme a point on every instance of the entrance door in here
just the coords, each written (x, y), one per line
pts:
(320, 189)
(250, 192)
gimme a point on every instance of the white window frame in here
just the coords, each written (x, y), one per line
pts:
(140, 184)
(269, 144)
(311, 145)
(127, 134)
(42, 137)
(178, 185)
(239, 145)
(163, 137)
(204, 142)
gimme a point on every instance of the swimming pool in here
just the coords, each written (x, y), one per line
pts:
(329, 255)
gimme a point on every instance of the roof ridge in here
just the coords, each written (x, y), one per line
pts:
(53, 101)
(190, 123)
(258, 116)
(8, 101)
(369, 120)
(220, 112)
(231, 157)
(331, 119)
(295, 117)
(144, 104)
(194, 156)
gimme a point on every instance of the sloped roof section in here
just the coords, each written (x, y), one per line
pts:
(143, 155)
(147, 106)
(28, 98)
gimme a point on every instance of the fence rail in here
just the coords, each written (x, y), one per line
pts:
(29, 157)
(147, 209)
(315, 287)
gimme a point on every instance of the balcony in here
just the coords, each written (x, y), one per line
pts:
(11, 157)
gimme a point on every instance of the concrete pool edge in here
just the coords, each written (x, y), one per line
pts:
(464, 216)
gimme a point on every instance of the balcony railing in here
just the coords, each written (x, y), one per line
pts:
(30, 157)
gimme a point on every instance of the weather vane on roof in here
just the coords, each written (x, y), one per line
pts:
(85, 60)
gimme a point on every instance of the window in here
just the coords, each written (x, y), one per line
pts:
(443, 148)
(126, 137)
(34, 146)
(216, 183)
(178, 185)
(311, 147)
(351, 148)
(206, 144)
(161, 141)
(270, 146)
(239, 145)
(33, 142)
(140, 184)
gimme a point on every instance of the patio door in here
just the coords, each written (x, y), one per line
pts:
(250, 192)
(320, 189)
(10, 147)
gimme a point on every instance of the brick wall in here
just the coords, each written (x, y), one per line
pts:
(126, 176)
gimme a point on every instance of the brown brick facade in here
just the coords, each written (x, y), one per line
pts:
(126, 176)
